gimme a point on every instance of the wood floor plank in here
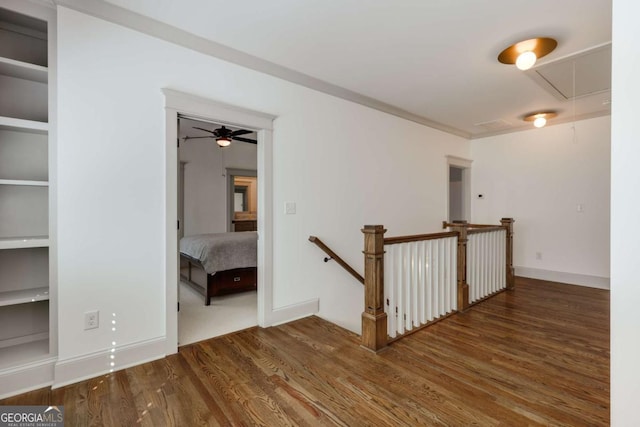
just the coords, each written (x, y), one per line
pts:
(537, 355)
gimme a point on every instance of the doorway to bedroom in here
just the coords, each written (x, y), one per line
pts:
(217, 213)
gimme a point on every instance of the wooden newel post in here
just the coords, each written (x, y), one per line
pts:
(463, 286)
(374, 319)
(507, 223)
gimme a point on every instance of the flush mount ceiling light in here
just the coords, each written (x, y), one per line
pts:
(525, 53)
(540, 119)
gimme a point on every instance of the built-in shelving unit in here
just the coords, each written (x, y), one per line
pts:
(25, 198)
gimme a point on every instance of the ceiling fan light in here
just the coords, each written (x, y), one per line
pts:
(526, 60)
(540, 122)
(223, 141)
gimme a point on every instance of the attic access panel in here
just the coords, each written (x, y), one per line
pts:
(592, 74)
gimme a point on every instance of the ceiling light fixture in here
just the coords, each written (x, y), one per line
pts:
(540, 119)
(540, 122)
(223, 141)
(525, 53)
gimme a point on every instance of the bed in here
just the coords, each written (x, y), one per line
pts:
(220, 263)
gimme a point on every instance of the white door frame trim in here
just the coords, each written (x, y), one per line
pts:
(184, 104)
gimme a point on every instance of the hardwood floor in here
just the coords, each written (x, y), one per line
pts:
(538, 355)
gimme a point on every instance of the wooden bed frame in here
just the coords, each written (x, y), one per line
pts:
(221, 283)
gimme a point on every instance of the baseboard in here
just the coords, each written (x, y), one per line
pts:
(30, 376)
(294, 311)
(91, 365)
(562, 277)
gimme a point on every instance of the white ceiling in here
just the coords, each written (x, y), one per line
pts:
(433, 58)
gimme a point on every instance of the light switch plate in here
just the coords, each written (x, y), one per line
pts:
(290, 208)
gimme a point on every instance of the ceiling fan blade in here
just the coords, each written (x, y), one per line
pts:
(198, 137)
(250, 141)
(240, 132)
(206, 130)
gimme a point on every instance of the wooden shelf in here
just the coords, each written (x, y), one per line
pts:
(24, 242)
(24, 296)
(23, 70)
(11, 123)
(24, 353)
(24, 182)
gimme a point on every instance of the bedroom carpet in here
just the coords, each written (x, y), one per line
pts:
(229, 313)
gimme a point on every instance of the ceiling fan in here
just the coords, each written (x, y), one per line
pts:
(224, 136)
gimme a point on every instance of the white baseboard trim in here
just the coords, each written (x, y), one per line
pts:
(294, 311)
(562, 277)
(30, 376)
(91, 365)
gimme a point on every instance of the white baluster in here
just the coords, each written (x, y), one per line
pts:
(407, 286)
(485, 264)
(397, 274)
(450, 272)
(472, 266)
(437, 282)
(400, 288)
(496, 258)
(389, 285)
(454, 273)
(503, 259)
(472, 269)
(492, 263)
(422, 283)
(441, 268)
(429, 276)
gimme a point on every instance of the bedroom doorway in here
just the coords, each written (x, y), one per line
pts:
(176, 104)
(458, 189)
(456, 194)
(217, 201)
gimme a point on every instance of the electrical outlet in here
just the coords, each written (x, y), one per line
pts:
(91, 319)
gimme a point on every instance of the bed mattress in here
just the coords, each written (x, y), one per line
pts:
(222, 251)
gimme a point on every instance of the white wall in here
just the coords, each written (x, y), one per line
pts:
(332, 157)
(625, 211)
(539, 177)
(205, 192)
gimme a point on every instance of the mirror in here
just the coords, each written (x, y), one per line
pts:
(240, 198)
(245, 194)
